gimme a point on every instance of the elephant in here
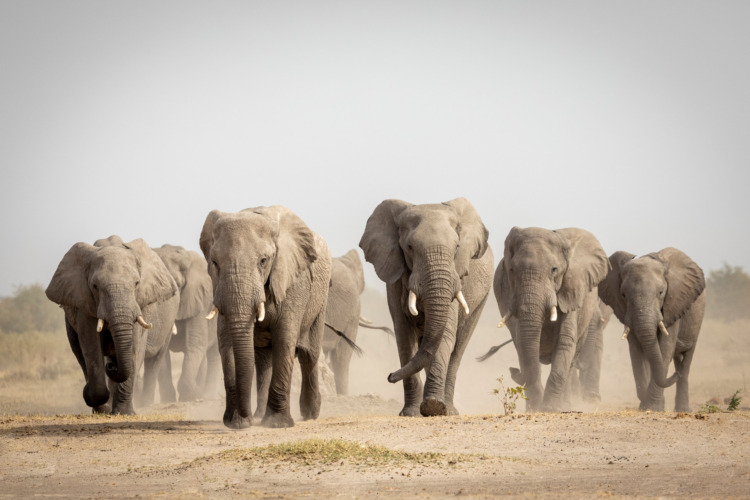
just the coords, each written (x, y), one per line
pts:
(120, 304)
(660, 298)
(343, 316)
(270, 275)
(196, 336)
(542, 272)
(437, 264)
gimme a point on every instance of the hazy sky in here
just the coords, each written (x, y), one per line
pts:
(630, 119)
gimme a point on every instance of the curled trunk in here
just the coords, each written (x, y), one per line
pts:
(436, 300)
(646, 334)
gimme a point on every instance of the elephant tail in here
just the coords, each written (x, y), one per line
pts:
(365, 323)
(358, 350)
(493, 350)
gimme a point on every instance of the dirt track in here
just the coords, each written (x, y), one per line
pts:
(163, 454)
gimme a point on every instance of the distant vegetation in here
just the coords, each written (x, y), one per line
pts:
(29, 310)
(728, 293)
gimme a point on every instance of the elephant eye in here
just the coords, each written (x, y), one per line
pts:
(137, 283)
(554, 269)
(409, 247)
(661, 292)
(96, 287)
(263, 261)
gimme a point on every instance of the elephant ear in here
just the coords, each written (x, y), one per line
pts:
(609, 288)
(156, 284)
(472, 235)
(177, 261)
(295, 250)
(69, 285)
(207, 233)
(352, 261)
(503, 290)
(685, 282)
(196, 297)
(380, 243)
(587, 267)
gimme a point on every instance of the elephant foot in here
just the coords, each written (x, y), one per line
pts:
(259, 413)
(277, 420)
(103, 409)
(432, 407)
(651, 407)
(410, 411)
(310, 407)
(233, 420)
(592, 396)
(515, 374)
(126, 410)
(452, 409)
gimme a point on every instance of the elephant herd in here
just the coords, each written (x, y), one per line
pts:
(267, 291)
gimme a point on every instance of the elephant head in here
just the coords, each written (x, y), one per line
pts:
(112, 281)
(428, 248)
(543, 271)
(648, 295)
(254, 256)
(188, 269)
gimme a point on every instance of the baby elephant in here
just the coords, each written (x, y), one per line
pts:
(660, 298)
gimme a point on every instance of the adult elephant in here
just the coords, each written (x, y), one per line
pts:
(437, 266)
(195, 336)
(542, 272)
(270, 276)
(343, 316)
(120, 303)
(660, 298)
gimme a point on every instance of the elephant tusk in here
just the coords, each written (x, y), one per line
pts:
(365, 320)
(212, 314)
(663, 328)
(174, 329)
(462, 301)
(261, 311)
(99, 325)
(625, 333)
(413, 303)
(504, 321)
(553, 314)
(143, 323)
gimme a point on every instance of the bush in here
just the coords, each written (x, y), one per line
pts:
(728, 293)
(29, 310)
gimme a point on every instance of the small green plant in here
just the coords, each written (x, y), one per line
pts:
(509, 395)
(735, 401)
(709, 408)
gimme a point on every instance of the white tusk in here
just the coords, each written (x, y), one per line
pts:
(261, 311)
(625, 333)
(504, 320)
(553, 314)
(462, 301)
(663, 328)
(212, 314)
(99, 325)
(143, 323)
(413, 303)
(365, 320)
(174, 329)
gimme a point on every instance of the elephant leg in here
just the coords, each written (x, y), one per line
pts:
(464, 331)
(433, 402)
(278, 411)
(263, 368)
(340, 359)
(167, 393)
(406, 342)
(562, 361)
(309, 398)
(145, 396)
(682, 364)
(200, 379)
(213, 370)
(195, 332)
(75, 345)
(591, 362)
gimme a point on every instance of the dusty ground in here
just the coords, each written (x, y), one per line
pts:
(52, 446)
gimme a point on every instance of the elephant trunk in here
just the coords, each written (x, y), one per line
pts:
(438, 293)
(122, 336)
(645, 332)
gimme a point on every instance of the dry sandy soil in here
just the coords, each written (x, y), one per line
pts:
(50, 444)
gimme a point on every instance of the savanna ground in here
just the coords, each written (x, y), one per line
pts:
(52, 446)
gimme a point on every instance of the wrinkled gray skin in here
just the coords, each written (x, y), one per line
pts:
(116, 282)
(267, 255)
(589, 362)
(543, 269)
(196, 336)
(663, 286)
(343, 314)
(435, 251)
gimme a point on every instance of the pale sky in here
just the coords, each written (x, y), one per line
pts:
(629, 119)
